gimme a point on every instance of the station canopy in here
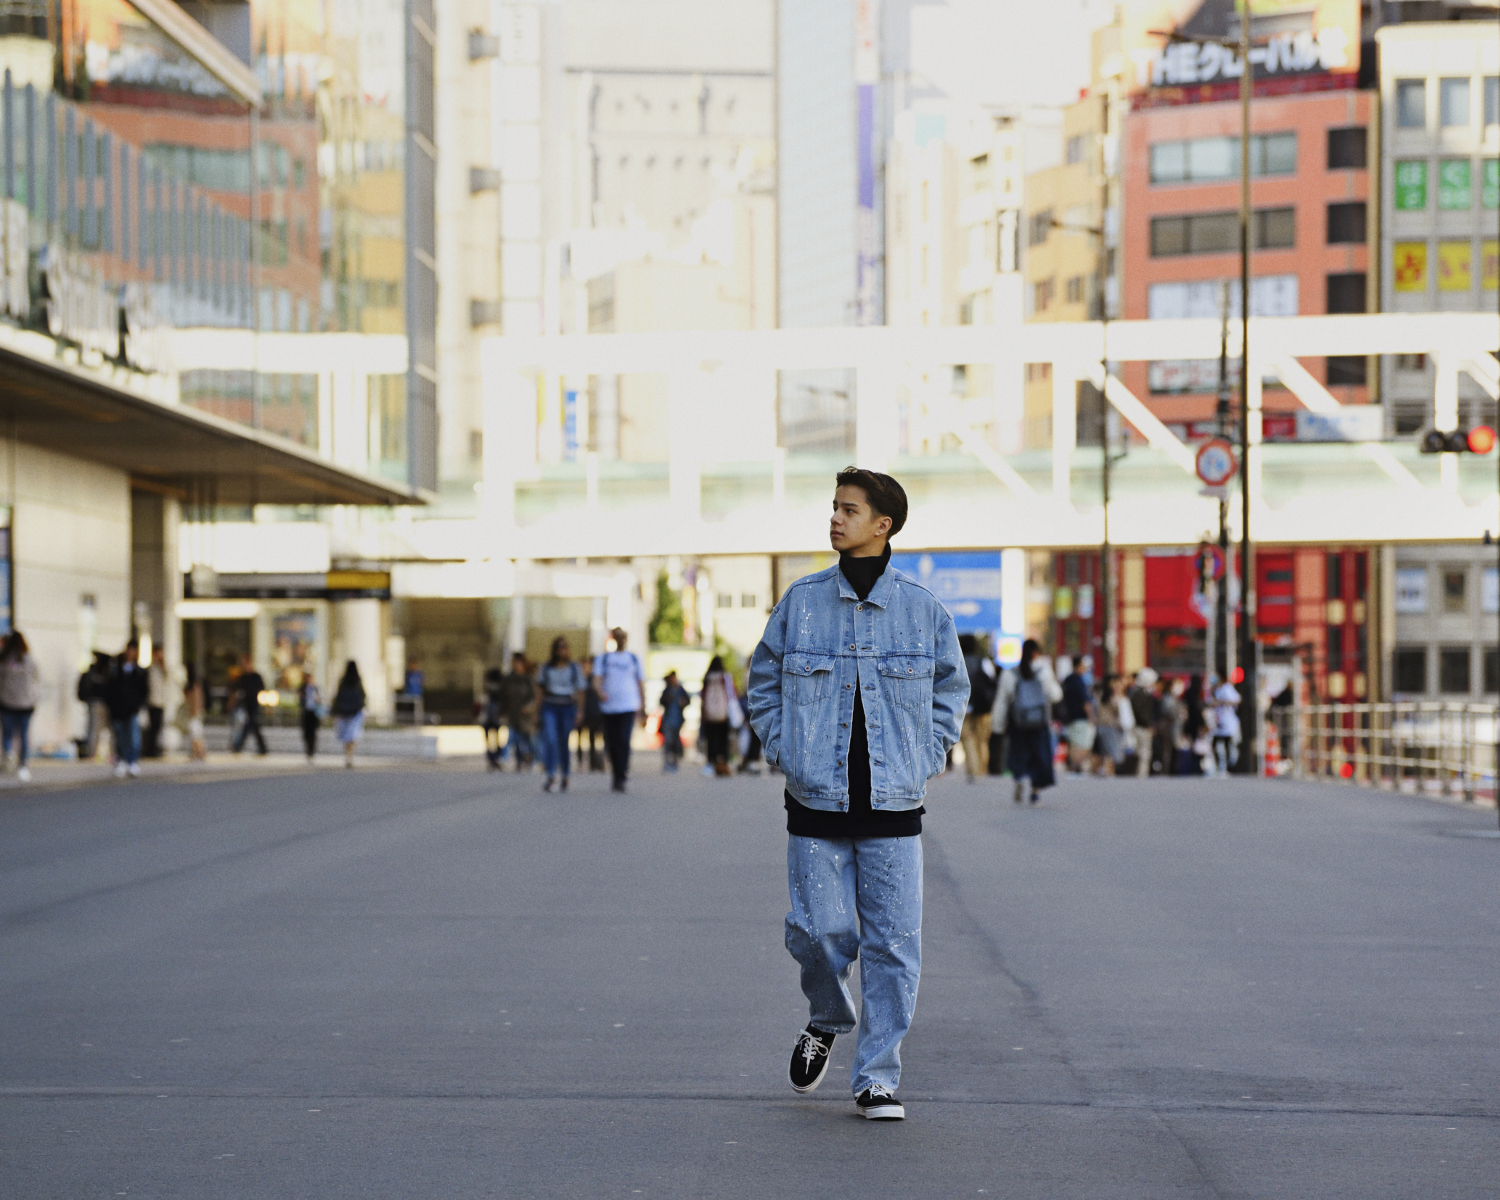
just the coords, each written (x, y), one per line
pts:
(171, 447)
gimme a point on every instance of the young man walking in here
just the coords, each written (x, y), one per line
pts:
(620, 684)
(857, 692)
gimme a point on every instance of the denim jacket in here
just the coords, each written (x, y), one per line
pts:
(899, 647)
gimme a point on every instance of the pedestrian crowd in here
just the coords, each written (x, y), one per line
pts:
(1026, 722)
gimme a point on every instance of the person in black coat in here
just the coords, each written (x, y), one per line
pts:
(247, 690)
(125, 693)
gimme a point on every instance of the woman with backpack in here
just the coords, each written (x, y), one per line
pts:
(349, 711)
(562, 683)
(1023, 708)
(717, 701)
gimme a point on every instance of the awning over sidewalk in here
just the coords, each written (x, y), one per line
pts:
(72, 410)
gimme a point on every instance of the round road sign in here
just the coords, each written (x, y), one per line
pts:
(1216, 465)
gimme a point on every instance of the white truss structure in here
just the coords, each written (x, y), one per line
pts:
(720, 420)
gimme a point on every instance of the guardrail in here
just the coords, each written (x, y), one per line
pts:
(1446, 749)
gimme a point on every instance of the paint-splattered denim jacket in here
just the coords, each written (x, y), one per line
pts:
(899, 647)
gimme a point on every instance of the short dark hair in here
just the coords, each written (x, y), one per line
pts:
(884, 494)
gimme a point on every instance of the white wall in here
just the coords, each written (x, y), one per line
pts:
(71, 525)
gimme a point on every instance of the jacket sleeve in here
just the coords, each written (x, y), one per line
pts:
(763, 685)
(950, 693)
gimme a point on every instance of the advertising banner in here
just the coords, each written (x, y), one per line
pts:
(1409, 266)
(1295, 46)
(1454, 266)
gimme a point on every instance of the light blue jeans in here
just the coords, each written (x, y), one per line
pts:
(859, 899)
(557, 725)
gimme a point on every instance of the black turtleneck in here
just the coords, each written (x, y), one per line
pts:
(861, 821)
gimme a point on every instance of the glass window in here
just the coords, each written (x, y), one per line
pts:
(1350, 369)
(1455, 590)
(724, 600)
(1275, 229)
(1492, 102)
(1411, 103)
(1453, 670)
(1409, 670)
(1489, 187)
(749, 600)
(1346, 292)
(1074, 149)
(1453, 184)
(1491, 670)
(1347, 147)
(1453, 102)
(1168, 236)
(1213, 158)
(1280, 153)
(1346, 222)
(1169, 162)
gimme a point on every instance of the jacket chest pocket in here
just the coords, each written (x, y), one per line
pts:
(907, 681)
(807, 678)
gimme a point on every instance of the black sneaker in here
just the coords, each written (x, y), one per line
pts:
(810, 1059)
(877, 1104)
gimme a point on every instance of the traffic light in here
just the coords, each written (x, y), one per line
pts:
(1479, 440)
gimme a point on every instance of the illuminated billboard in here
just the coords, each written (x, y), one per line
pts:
(1295, 46)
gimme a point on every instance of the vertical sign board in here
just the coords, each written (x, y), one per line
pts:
(969, 585)
(866, 76)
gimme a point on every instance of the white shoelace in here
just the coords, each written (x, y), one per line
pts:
(810, 1047)
(877, 1092)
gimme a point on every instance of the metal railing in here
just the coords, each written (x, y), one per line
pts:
(1437, 748)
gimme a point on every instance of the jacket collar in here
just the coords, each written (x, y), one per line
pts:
(880, 594)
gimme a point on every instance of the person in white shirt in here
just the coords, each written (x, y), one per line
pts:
(1226, 726)
(620, 683)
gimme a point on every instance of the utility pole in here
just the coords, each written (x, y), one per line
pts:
(1249, 758)
(1219, 624)
(1106, 563)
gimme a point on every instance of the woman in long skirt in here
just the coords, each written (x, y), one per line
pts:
(1023, 708)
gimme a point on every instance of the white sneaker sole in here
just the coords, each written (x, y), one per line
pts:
(813, 1086)
(883, 1112)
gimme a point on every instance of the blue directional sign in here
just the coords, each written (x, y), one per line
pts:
(967, 582)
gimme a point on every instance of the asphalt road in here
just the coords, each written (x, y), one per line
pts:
(437, 983)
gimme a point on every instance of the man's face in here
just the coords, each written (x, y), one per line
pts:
(855, 528)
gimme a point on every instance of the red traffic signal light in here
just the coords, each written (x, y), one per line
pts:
(1479, 440)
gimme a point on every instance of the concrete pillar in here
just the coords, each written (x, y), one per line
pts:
(359, 634)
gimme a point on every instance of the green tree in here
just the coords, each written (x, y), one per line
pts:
(666, 622)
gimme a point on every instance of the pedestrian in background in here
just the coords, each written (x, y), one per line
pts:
(1194, 728)
(1143, 705)
(1023, 707)
(20, 689)
(1079, 715)
(562, 683)
(1116, 720)
(984, 682)
(247, 690)
(714, 703)
(1226, 727)
(593, 726)
(518, 701)
(349, 711)
(674, 702)
(620, 682)
(124, 697)
(196, 703)
(91, 685)
(492, 716)
(310, 712)
(156, 703)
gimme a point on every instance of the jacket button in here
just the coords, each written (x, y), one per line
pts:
(859, 608)
(846, 724)
(851, 645)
